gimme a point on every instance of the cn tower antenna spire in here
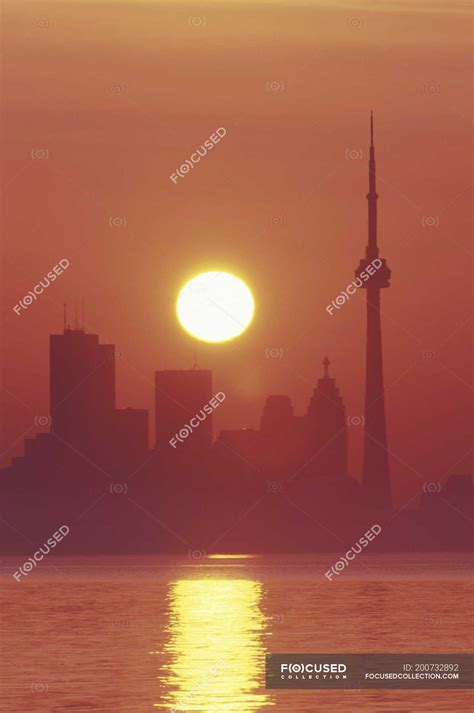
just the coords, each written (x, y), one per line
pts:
(376, 475)
(372, 249)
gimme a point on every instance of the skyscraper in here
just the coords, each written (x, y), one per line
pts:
(277, 419)
(82, 387)
(181, 395)
(376, 479)
(279, 442)
(325, 427)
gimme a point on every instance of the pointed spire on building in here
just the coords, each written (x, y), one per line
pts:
(376, 477)
(326, 363)
(65, 316)
(325, 428)
(372, 249)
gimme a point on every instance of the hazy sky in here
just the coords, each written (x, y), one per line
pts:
(103, 101)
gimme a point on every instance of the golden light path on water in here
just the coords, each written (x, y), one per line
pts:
(215, 646)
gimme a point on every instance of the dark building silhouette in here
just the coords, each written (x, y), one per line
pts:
(279, 489)
(313, 445)
(240, 448)
(83, 413)
(82, 388)
(131, 428)
(282, 488)
(457, 493)
(179, 397)
(326, 429)
(447, 512)
(280, 438)
(376, 479)
(277, 417)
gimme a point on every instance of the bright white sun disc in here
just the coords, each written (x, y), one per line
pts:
(215, 306)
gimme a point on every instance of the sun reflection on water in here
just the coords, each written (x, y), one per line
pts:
(215, 650)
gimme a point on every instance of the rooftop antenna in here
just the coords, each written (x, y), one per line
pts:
(372, 249)
(75, 315)
(195, 355)
(65, 316)
(82, 316)
(326, 363)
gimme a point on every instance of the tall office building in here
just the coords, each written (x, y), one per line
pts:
(326, 431)
(179, 397)
(279, 437)
(82, 387)
(277, 419)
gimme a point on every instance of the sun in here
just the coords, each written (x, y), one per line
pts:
(215, 306)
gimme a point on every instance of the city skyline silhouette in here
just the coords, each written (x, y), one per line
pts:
(291, 465)
(236, 366)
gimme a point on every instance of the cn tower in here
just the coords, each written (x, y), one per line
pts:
(376, 478)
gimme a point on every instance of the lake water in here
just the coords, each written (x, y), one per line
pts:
(148, 634)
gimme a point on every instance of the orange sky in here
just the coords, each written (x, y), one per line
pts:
(119, 94)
